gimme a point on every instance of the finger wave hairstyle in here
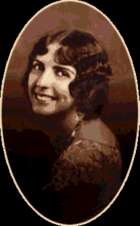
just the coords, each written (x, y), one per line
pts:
(82, 51)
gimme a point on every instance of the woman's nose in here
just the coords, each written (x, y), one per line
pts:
(46, 79)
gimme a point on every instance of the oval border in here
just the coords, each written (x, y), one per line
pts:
(138, 118)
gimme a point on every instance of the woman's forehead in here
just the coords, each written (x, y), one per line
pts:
(50, 55)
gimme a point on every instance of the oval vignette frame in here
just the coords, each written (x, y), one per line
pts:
(21, 39)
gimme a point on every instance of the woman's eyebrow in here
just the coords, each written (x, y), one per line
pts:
(61, 66)
(65, 68)
(36, 60)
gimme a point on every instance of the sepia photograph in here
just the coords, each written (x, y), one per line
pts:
(69, 113)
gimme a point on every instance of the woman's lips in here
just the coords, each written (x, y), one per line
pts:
(43, 98)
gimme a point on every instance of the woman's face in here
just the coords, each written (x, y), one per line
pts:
(48, 84)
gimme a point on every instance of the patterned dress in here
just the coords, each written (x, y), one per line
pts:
(83, 179)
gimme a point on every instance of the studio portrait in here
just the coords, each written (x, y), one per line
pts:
(69, 112)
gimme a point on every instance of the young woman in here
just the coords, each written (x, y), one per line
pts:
(67, 84)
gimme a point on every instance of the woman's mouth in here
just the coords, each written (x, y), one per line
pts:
(44, 98)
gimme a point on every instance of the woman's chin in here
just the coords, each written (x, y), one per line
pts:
(44, 111)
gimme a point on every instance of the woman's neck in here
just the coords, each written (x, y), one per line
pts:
(58, 125)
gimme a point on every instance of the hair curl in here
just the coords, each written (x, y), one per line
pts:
(82, 51)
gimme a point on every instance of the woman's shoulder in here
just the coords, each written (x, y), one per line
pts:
(87, 161)
(87, 151)
(94, 143)
(97, 131)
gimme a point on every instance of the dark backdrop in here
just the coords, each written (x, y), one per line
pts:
(15, 211)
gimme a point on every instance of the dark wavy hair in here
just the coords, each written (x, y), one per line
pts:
(82, 51)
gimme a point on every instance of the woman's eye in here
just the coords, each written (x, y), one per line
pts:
(37, 67)
(62, 73)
